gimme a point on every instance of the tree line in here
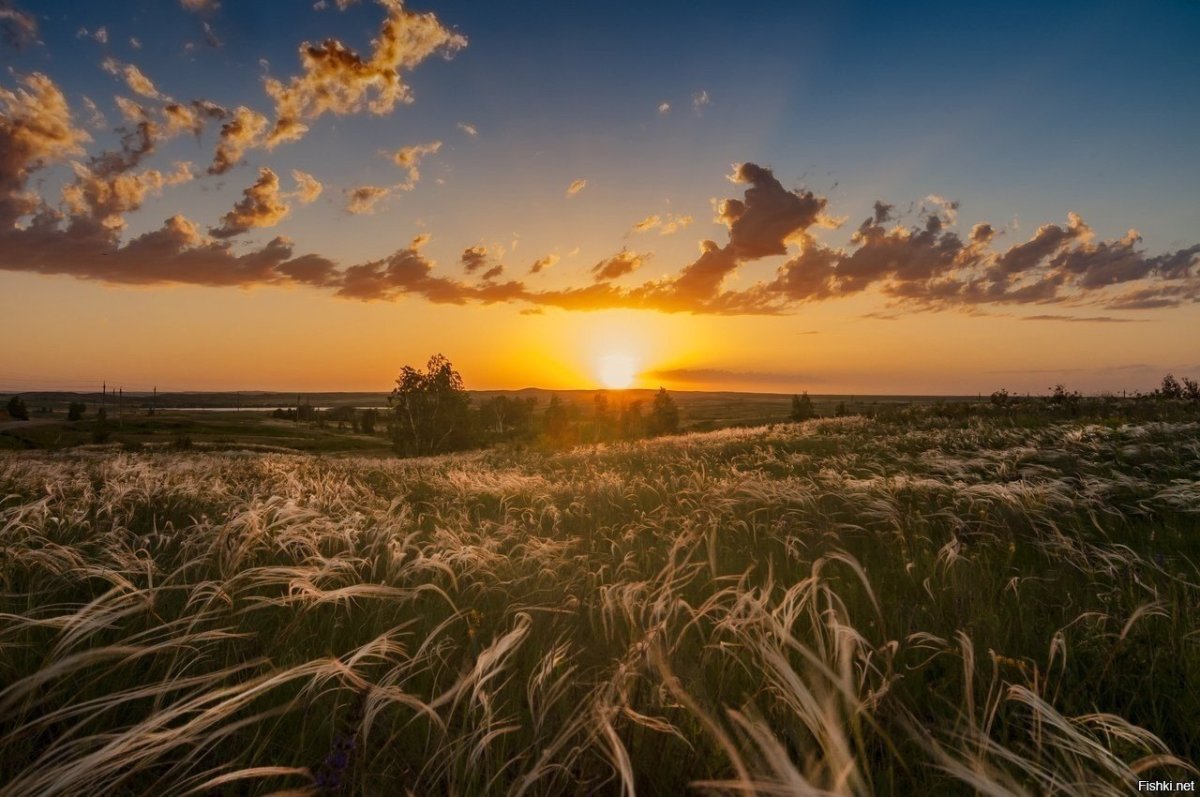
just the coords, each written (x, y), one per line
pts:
(430, 412)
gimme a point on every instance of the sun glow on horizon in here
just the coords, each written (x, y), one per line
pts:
(617, 371)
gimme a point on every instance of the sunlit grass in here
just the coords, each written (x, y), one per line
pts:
(842, 606)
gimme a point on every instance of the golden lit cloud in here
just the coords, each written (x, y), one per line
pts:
(576, 186)
(243, 130)
(261, 206)
(409, 159)
(308, 188)
(134, 78)
(335, 79)
(364, 198)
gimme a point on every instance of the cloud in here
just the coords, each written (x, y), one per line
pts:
(190, 117)
(700, 101)
(664, 108)
(96, 118)
(335, 79)
(667, 224)
(106, 195)
(210, 36)
(576, 186)
(625, 262)
(243, 130)
(473, 258)
(260, 206)
(363, 199)
(18, 29)
(99, 35)
(134, 78)
(409, 159)
(1091, 319)
(308, 188)
(200, 6)
(468, 129)
(928, 265)
(35, 128)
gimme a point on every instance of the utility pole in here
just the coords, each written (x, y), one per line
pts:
(154, 400)
(120, 401)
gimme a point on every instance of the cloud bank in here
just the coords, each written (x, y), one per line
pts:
(929, 264)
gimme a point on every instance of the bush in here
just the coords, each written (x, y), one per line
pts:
(75, 410)
(17, 409)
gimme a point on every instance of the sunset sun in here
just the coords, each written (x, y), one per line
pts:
(616, 371)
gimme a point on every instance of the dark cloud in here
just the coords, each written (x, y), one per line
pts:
(625, 262)
(474, 258)
(543, 263)
(1091, 319)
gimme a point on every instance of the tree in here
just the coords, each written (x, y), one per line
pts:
(1170, 389)
(802, 407)
(367, 421)
(631, 423)
(431, 411)
(555, 421)
(602, 420)
(17, 409)
(664, 415)
(1191, 390)
(75, 410)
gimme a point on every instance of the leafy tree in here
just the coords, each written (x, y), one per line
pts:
(602, 420)
(1170, 389)
(802, 407)
(17, 409)
(664, 415)
(342, 415)
(631, 423)
(367, 421)
(841, 411)
(555, 421)
(75, 410)
(1191, 390)
(431, 411)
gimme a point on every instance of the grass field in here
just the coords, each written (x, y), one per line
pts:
(925, 605)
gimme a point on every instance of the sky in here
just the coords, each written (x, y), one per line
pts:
(838, 198)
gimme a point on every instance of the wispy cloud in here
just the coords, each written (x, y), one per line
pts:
(409, 159)
(365, 199)
(576, 186)
(1090, 319)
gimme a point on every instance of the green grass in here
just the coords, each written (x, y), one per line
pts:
(949, 605)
